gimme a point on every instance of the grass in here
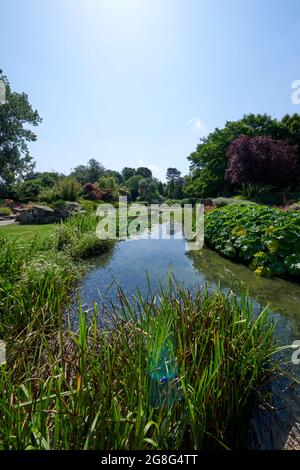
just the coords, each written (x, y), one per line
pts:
(27, 232)
(179, 371)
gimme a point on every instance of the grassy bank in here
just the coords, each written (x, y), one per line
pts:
(37, 273)
(267, 239)
(27, 232)
(178, 372)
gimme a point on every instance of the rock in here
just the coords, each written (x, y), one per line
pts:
(72, 206)
(36, 215)
(42, 211)
(25, 216)
(65, 210)
(46, 215)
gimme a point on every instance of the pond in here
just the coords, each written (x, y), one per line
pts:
(139, 263)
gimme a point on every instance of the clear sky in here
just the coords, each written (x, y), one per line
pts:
(138, 82)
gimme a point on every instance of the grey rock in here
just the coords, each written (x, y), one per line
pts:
(46, 215)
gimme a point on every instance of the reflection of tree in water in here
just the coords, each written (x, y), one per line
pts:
(281, 294)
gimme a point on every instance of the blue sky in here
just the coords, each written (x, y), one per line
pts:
(138, 82)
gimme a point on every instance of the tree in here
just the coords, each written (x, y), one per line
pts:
(209, 161)
(292, 126)
(33, 185)
(118, 177)
(108, 183)
(143, 171)
(96, 170)
(262, 161)
(148, 190)
(89, 173)
(175, 183)
(171, 189)
(16, 114)
(172, 174)
(178, 189)
(161, 188)
(133, 185)
(128, 172)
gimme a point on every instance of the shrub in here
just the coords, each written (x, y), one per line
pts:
(88, 245)
(172, 202)
(265, 238)
(88, 206)
(49, 195)
(225, 201)
(190, 200)
(5, 211)
(78, 237)
(91, 191)
(66, 190)
(69, 190)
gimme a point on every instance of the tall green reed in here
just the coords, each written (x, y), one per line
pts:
(180, 370)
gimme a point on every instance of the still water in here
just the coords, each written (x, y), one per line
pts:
(137, 263)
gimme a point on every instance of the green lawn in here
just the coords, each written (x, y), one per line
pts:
(27, 231)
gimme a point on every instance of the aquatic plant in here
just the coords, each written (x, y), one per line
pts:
(180, 370)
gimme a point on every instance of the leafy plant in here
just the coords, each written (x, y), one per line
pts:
(4, 211)
(267, 239)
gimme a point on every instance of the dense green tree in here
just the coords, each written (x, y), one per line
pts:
(178, 189)
(118, 177)
(161, 188)
(209, 161)
(172, 174)
(175, 183)
(148, 190)
(33, 185)
(89, 173)
(128, 172)
(108, 183)
(292, 126)
(171, 189)
(16, 114)
(133, 185)
(143, 171)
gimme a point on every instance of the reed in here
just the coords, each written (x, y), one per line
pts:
(177, 370)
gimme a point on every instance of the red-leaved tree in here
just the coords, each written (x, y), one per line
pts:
(263, 161)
